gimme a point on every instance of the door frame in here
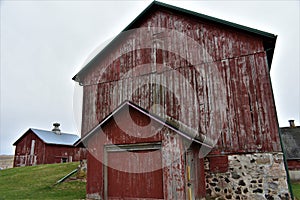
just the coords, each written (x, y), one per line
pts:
(190, 175)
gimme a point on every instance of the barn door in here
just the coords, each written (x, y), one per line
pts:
(190, 175)
(133, 172)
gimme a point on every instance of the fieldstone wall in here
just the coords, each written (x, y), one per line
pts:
(248, 176)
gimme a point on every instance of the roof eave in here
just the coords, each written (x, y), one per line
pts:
(49, 143)
(142, 110)
(17, 141)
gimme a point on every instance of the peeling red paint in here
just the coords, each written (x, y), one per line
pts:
(218, 164)
(243, 79)
(232, 104)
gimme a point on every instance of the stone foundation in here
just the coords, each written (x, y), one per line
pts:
(247, 176)
(294, 175)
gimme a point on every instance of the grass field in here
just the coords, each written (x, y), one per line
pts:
(296, 190)
(37, 182)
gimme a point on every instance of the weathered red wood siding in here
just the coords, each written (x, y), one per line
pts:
(55, 153)
(167, 162)
(232, 84)
(23, 148)
(293, 164)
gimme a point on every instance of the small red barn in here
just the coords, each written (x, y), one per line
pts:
(135, 154)
(37, 146)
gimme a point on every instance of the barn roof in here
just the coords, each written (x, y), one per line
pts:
(168, 124)
(291, 142)
(50, 137)
(268, 38)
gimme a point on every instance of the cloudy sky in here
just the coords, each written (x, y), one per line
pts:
(44, 44)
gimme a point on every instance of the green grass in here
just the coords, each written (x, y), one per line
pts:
(296, 190)
(37, 182)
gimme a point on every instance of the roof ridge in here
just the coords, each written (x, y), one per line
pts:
(204, 16)
(52, 131)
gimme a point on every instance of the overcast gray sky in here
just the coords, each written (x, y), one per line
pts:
(44, 44)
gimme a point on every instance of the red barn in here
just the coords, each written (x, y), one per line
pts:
(37, 147)
(205, 84)
(291, 145)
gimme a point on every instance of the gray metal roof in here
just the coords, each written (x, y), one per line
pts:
(50, 137)
(291, 142)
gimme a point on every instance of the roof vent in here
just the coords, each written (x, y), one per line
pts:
(292, 123)
(56, 129)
